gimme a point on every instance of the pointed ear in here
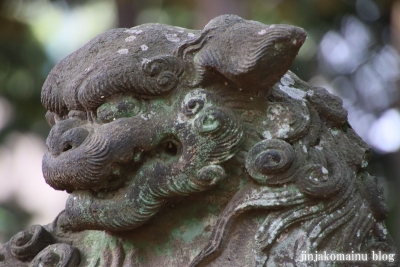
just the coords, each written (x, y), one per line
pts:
(248, 53)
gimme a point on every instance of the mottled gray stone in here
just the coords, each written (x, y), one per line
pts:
(199, 148)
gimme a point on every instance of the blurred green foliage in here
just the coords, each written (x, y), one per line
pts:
(22, 73)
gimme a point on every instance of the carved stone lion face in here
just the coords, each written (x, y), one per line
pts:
(144, 114)
(155, 113)
(151, 114)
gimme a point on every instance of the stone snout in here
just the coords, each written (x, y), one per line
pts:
(91, 156)
(66, 135)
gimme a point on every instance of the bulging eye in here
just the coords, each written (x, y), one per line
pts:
(193, 106)
(195, 101)
(119, 107)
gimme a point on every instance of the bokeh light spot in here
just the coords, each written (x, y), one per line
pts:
(384, 134)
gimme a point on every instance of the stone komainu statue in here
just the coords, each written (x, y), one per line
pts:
(199, 148)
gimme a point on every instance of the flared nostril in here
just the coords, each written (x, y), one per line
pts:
(66, 135)
(73, 138)
(66, 147)
(59, 143)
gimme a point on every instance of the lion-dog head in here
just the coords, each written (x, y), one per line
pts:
(144, 114)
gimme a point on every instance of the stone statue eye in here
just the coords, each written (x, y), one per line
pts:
(120, 107)
(193, 106)
(194, 102)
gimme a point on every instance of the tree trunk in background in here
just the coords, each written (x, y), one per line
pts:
(209, 9)
(127, 13)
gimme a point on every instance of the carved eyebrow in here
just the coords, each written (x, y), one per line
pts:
(102, 83)
(140, 76)
(92, 88)
(84, 79)
(51, 96)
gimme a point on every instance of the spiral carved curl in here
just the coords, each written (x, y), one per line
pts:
(302, 163)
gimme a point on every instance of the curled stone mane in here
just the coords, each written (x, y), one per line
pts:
(200, 148)
(301, 169)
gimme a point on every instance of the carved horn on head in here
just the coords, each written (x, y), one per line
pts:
(248, 53)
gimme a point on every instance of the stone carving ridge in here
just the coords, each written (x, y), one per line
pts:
(199, 148)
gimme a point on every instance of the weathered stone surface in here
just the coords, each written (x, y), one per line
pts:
(199, 148)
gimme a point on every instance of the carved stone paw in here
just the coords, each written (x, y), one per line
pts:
(36, 247)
